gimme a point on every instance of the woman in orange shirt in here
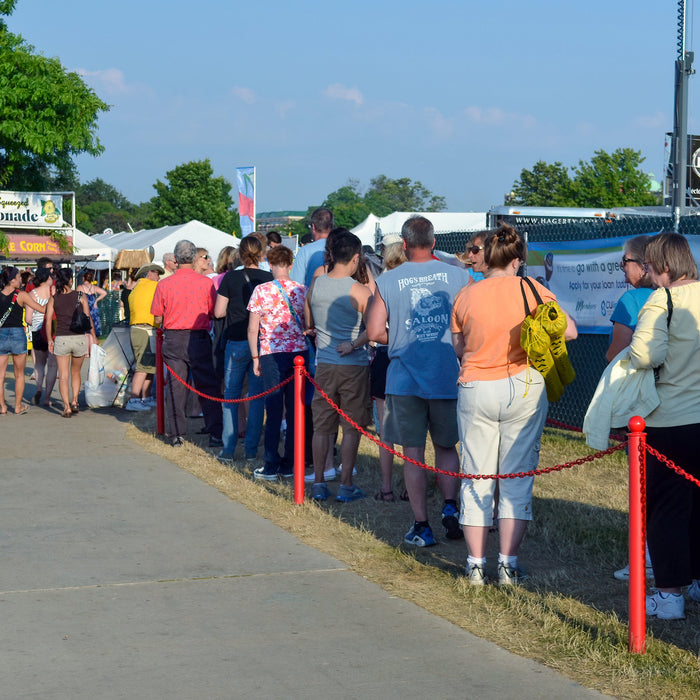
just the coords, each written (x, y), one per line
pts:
(501, 404)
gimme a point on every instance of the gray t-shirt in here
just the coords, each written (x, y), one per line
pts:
(336, 321)
(419, 298)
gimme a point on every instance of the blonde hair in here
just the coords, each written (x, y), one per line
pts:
(394, 255)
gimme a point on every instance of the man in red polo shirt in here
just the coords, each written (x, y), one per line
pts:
(184, 303)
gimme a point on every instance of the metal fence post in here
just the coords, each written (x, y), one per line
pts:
(637, 556)
(299, 429)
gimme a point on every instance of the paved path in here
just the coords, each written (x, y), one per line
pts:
(123, 576)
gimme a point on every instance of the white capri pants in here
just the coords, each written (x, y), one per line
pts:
(500, 426)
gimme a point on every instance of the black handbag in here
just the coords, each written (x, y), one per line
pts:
(80, 323)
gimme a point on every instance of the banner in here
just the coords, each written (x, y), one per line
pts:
(246, 198)
(586, 277)
(31, 210)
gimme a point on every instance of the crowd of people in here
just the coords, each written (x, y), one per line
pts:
(432, 340)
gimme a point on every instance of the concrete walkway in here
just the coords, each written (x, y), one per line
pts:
(123, 576)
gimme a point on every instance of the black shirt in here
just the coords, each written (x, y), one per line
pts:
(238, 290)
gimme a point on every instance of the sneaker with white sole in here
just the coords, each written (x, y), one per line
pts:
(328, 475)
(666, 606)
(320, 492)
(450, 521)
(624, 574)
(420, 536)
(694, 591)
(265, 474)
(349, 493)
(134, 404)
(510, 575)
(475, 575)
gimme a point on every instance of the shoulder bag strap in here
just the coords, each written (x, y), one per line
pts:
(670, 308)
(9, 309)
(535, 293)
(285, 296)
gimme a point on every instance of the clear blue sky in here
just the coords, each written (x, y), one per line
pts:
(461, 95)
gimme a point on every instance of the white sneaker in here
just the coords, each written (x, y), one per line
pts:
(136, 405)
(339, 469)
(475, 575)
(624, 574)
(328, 475)
(666, 606)
(694, 591)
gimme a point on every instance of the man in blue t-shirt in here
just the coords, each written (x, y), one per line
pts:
(415, 300)
(310, 257)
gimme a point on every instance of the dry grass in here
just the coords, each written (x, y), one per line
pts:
(571, 616)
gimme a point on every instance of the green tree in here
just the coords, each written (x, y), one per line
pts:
(386, 195)
(546, 185)
(47, 116)
(192, 192)
(608, 180)
(612, 180)
(347, 205)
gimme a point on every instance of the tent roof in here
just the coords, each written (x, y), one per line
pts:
(86, 245)
(163, 239)
(443, 222)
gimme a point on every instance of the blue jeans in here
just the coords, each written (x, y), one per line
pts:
(275, 369)
(237, 364)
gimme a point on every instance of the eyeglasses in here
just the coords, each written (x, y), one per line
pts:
(629, 260)
(474, 249)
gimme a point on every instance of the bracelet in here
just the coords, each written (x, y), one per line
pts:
(254, 357)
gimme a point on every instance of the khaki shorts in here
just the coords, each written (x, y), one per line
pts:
(407, 420)
(143, 339)
(348, 387)
(75, 345)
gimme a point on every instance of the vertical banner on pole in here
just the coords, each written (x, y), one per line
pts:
(246, 198)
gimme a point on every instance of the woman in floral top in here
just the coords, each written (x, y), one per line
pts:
(276, 337)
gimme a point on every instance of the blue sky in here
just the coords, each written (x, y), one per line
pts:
(459, 95)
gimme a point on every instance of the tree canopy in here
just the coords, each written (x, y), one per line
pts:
(47, 116)
(384, 196)
(607, 180)
(192, 192)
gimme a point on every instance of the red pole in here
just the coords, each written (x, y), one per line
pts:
(637, 555)
(160, 394)
(299, 429)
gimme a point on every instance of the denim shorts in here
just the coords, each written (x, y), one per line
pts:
(13, 341)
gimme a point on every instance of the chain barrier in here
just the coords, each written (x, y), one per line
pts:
(643, 494)
(212, 398)
(396, 453)
(671, 465)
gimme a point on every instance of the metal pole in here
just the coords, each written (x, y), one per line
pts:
(683, 70)
(637, 554)
(299, 429)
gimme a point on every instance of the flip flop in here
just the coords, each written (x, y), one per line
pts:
(66, 414)
(75, 408)
(22, 409)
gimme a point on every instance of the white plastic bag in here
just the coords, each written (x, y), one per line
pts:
(96, 368)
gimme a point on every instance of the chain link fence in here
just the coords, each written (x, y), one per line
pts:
(587, 353)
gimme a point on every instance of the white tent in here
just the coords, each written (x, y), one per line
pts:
(88, 247)
(162, 240)
(443, 222)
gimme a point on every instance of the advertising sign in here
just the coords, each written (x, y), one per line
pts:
(31, 210)
(28, 246)
(586, 277)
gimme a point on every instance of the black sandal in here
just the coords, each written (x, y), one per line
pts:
(385, 496)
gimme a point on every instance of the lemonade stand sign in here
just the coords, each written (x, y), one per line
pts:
(31, 210)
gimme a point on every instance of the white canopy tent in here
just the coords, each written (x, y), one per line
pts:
(162, 240)
(88, 247)
(444, 222)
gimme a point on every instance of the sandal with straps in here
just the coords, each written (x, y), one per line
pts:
(385, 496)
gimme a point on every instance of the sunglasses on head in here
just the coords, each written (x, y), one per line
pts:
(474, 249)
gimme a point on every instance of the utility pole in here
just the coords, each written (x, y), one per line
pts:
(679, 151)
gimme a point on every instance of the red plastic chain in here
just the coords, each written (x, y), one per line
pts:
(665, 460)
(518, 475)
(212, 398)
(643, 491)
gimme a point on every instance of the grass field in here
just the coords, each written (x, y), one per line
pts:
(571, 615)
